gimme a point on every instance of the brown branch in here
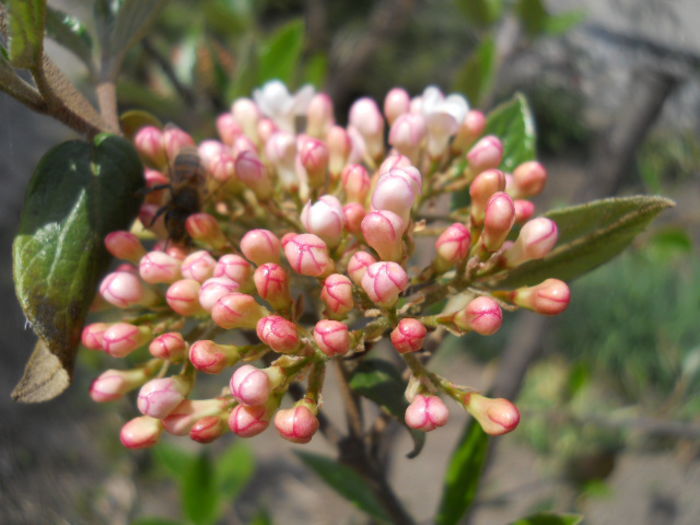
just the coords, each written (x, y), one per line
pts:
(107, 101)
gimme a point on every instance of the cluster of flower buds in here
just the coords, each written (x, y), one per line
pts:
(290, 241)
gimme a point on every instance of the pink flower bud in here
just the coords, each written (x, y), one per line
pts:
(482, 315)
(550, 297)
(314, 157)
(426, 413)
(324, 218)
(524, 210)
(222, 166)
(124, 289)
(228, 128)
(160, 396)
(499, 219)
(261, 246)
(332, 337)
(453, 244)
(308, 255)
(113, 384)
(266, 128)
(384, 281)
(178, 251)
(485, 154)
(247, 114)
(211, 358)
(204, 228)
(243, 144)
(535, 240)
(159, 267)
(92, 336)
(339, 149)
(124, 245)
(246, 421)
(170, 346)
(281, 151)
(120, 339)
(319, 115)
(250, 385)
(237, 310)
(198, 266)
(234, 267)
(356, 182)
(394, 192)
(183, 297)
(297, 424)
(472, 128)
(496, 416)
(174, 139)
(141, 432)
(396, 160)
(147, 217)
(408, 336)
(208, 429)
(358, 264)
(482, 189)
(272, 284)
(253, 173)
(214, 289)
(529, 179)
(181, 420)
(354, 213)
(337, 294)
(149, 143)
(383, 231)
(407, 134)
(208, 150)
(155, 179)
(279, 334)
(366, 118)
(396, 103)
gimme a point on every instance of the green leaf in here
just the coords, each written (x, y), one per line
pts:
(346, 482)
(200, 499)
(476, 76)
(481, 12)
(133, 120)
(280, 54)
(262, 518)
(172, 459)
(589, 235)
(512, 122)
(234, 469)
(79, 193)
(381, 382)
(533, 15)
(26, 32)
(71, 33)
(549, 518)
(156, 521)
(562, 23)
(317, 70)
(463, 475)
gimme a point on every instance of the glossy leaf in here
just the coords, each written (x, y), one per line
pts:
(550, 518)
(346, 482)
(234, 469)
(512, 122)
(79, 192)
(26, 32)
(589, 235)
(200, 499)
(476, 76)
(463, 475)
(133, 120)
(71, 33)
(381, 382)
(280, 54)
(481, 12)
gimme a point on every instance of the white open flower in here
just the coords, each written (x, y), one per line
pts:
(275, 101)
(443, 116)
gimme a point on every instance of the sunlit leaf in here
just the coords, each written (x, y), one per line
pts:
(512, 122)
(26, 32)
(476, 76)
(280, 53)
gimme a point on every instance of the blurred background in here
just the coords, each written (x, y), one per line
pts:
(609, 391)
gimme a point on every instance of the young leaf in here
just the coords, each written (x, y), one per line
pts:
(512, 122)
(280, 54)
(234, 469)
(79, 193)
(70, 33)
(549, 518)
(200, 499)
(26, 32)
(589, 235)
(476, 76)
(316, 70)
(346, 482)
(481, 12)
(533, 15)
(463, 475)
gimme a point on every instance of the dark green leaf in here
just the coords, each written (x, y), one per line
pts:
(70, 33)
(533, 15)
(133, 120)
(476, 76)
(262, 518)
(346, 482)
(562, 23)
(481, 12)
(234, 469)
(172, 459)
(512, 123)
(280, 54)
(200, 499)
(548, 518)
(156, 521)
(381, 382)
(26, 32)
(463, 474)
(78, 194)
(589, 235)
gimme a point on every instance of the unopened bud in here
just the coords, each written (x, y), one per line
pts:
(121, 339)
(266, 128)
(499, 219)
(246, 421)
(332, 337)
(496, 416)
(408, 336)
(314, 157)
(281, 151)
(354, 213)
(396, 103)
(383, 230)
(524, 210)
(529, 179)
(160, 396)
(356, 182)
(208, 429)
(483, 315)
(149, 143)
(247, 114)
(198, 266)
(272, 284)
(170, 346)
(298, 424)
(319, 115)
(535, 240)
(485, 154)
(253, 173)
(472, 128)
(482, 189)
(366, 118)
(113, 384)
(339, 149)
(337, 295)
(204, 228)
(384, 281)
(261, 246)
(124, 289)
(174, 140)
(214, 289)
(211, 358)
(395, 192)
(308, 255)
(324, 218)
(426, 413)
(228, 128)
(250, 385)
(407, 134)
(92, 335)
(183, 297)
(155, 179)
(237, 310)
(159, 267)
(452, 246)
(279, 333)
(550, 297)
(124, 245)
(358, 264)
(141, 432)
(234, 267)
(183, 418)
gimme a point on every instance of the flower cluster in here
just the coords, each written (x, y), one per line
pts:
(274, 251)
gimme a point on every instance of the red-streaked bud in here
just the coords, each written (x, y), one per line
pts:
(160, 396)
(272, 284)
(147, 217)
(266, 128)
(535, 240)
(214, 289)
(550, 297)
(496, 416)
(159, 267)
(141, 432)
(208, 429)
(279, 333)
(234, 267)
(222, 166)
(211, 358)
(124, 289)
(253, 173)
(149, 143)
(482, 189)
(209, 150)
(247, 114)
(261, 246)
(250, 385)
(124, 245)
(383, 231)
(332, 337)
(529, 179)
(113, 384)
(298, 424)
(120, 339)
(426, 413)
(174, 139)
(407, 134)
(155, 178)
(366, 118)
(246, 421)
(319, 115)
(354, 213)
(243, 144)
(183, 297)
(182, 419)
(237, 310)
(170, 346)
(178, 251)
(339, 149)
(472, 128)
(395, 160)
(483, 315)
(228, 128)
(324, 218)
(452, 246)
(314, 157)
(198, 266)
(356, 182)
(281, 151)
(485, 154)
(499, 219)
(92, 335)
(337, 295)
(408, 336)
(384, 281)
(396, 103)
(308, 255)
(358, 264)
(524, 210)
(395, 192)
(204, 228)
